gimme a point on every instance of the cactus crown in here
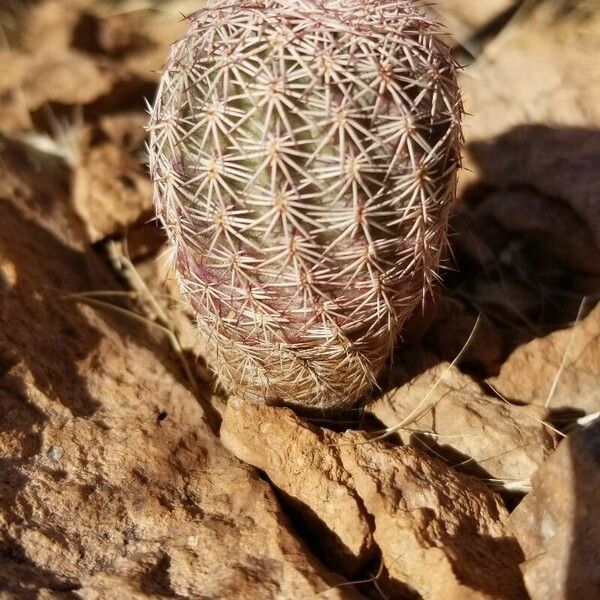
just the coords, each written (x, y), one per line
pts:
(304, 157)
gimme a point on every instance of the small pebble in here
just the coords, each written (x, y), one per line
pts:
(56, 453)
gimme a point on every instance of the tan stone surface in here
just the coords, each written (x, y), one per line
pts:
(523, 213)
(14, 113)
(558, 371)
(478, 433)
(41, 182)
(76, 53)
(441, 533)
(529, 74)
(558, 524)
(464, 18)
(559, 162)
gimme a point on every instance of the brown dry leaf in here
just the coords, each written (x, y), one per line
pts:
(559, 371)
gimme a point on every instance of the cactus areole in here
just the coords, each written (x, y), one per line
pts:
(304, 156)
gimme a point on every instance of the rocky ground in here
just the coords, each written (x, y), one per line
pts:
(126, 473)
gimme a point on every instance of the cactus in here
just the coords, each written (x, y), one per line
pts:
(304, 158)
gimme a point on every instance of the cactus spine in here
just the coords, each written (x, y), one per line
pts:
(304, 157)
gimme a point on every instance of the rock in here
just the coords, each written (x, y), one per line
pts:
(108, 191)
(464, 18)
(531, 72)
(455, 420)
(61, 61)
(111, 191)
(125, 129)
(524, 261)
(303, 464)
(110, 468)
(558, 523)
(441, 534)
(113, 587)
(67, 78)
(558, 162)
(40, 180)
(138, 37)
(522, 213)
(558, 371)
(159, 28)
(50, 24)
(451, 329)
(14, 112)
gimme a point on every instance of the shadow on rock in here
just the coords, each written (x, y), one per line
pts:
(525, 243)
(558, 522)
(46, 333)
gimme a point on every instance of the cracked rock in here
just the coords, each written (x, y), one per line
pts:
(441, 534)
(110, 469)
(303, 463)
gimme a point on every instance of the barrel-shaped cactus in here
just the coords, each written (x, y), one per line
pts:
(304, 158)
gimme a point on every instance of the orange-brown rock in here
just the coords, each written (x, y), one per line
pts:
(111, 470)
(464, 19)
(303, 462)
(441, 534)
(110, 191)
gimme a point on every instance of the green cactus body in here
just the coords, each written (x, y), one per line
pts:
(304, 158)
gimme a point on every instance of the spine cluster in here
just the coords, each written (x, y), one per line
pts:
(304, 158)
